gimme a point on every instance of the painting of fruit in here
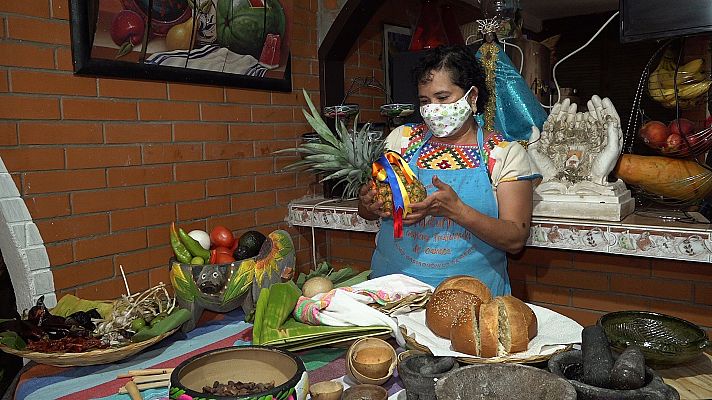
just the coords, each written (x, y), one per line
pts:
(195, 41)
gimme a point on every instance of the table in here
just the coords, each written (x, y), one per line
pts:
(42, 382)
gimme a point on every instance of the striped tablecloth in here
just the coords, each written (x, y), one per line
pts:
(44, 382)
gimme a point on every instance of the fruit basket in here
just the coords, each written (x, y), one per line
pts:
(680, 138)
(673, 85)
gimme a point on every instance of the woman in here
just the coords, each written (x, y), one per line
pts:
(479, 201)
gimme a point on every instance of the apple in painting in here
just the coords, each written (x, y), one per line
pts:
(127, 26)
(654, 134)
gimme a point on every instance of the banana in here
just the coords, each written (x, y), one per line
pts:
(694, 90)
(691, 81)
(691, 67)
(684, 103)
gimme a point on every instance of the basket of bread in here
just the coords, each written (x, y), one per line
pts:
(464, 320)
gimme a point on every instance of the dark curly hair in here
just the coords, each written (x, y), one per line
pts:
(464, 68)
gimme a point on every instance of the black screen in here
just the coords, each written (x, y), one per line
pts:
(656, 19)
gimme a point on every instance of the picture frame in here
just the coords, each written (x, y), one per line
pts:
(396, 39)
(121, 39)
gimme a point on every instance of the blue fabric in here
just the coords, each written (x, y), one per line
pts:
(517, 106)
(436, 247)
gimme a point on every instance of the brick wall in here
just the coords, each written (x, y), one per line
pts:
(104, 165)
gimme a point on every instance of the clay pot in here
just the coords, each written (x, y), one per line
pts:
(327, 390)
(370, 361)
(365, 391)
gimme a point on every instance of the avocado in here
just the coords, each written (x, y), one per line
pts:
(249, 245)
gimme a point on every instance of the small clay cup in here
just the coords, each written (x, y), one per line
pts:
(327, 390)
(365, 392)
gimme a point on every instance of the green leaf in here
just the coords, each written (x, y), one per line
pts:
(13, 340)
(125, 49)
(363, 276)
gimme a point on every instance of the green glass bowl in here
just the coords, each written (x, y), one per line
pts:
(664, 340)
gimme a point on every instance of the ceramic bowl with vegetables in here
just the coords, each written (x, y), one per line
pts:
(224, 282)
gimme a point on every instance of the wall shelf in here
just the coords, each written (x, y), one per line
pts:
(636, 235)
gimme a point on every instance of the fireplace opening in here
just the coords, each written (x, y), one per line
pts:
(10, 365)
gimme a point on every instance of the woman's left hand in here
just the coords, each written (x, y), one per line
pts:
(443, 203)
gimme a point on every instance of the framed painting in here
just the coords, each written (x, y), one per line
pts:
(243, 43)
(396, 39)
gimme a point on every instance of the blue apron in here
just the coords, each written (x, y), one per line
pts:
(436, 247)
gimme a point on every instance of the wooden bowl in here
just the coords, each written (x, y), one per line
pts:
(327, 390)
(371, 361)
(365, 391)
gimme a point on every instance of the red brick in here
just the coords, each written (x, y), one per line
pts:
(535, 293)
(98, 109)
(269, 147)
(36, 8)
(18, 54)
(170, 153)
(201, 170)
(107, 200)
(228, 151)
(168, 111)
(145, 259)
(271, 215)
(272, 114)
(114, 288)
(308, 82)
(220, 187)
(63, 59)
(234, 221)
(189, 92)
(114, 243)
(604, 301)
(200, 132)
(249, 201)
(285, 196)
(104, 156)
(76, 226)
(291, 99)
(175, 192)
(38, 30)
(60, 9)
(51, 206)
(703, 294)
(612, 263)
(158, 275)
(61, 181)
(158, 236)
(275, 181)
(140, 217)
(59, 253)
(137, 133)
(251, 132)
(82, 273)
(4, 81)
(698, 314)
(132, 89)
(215, 112)
(545, 257)
(17, 178)
(25, 81)
(674, 269)
(130, 176)
(20, 107)
(202, 208)
(521, 271)
(281, 161)
(33, 158)
(572, 278)
(251, 166)
(59, 133)
(583, 317)
(247, 96)
(658, 288)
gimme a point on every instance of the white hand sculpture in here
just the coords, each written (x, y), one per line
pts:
(604, 112)
(563, 112)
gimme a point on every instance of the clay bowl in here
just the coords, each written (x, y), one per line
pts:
(371, 361)
(365, 392)
(569, 365)
(503, 382)
(327, 390)
(259, 364)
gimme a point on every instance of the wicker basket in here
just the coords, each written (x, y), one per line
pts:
(93, 357)
(413, 344)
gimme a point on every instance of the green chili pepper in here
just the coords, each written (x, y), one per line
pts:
(170, 322)
(181, 252)
(193, 246)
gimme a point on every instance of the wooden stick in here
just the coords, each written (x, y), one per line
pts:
(151, 378)
(142, 372)
(132, 390)
(144, 386)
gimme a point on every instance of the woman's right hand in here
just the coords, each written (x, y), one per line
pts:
(368, 207)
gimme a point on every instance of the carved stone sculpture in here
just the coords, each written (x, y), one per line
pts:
(574, 153)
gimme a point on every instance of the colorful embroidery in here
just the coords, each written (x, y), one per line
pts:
(445, 156)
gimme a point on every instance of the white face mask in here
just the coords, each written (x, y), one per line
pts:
(446, 119)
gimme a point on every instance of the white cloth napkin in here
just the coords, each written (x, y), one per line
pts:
(555, 331)
(210, 58)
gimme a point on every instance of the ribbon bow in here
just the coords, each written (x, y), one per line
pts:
(383, 171)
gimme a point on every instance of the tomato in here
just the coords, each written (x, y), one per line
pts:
(223, 258)
(220, 236)
(223, 250)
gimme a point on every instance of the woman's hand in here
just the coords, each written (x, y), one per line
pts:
(368, 207)
(443, 203)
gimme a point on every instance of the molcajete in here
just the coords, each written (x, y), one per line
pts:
(420, 372)
(569, 365)
(224, 287)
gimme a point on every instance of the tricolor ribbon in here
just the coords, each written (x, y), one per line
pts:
(383, 171)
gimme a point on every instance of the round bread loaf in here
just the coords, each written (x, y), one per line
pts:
(464, 334)
(468, 284)
(444, 306)
(518, 324)
(489, 329)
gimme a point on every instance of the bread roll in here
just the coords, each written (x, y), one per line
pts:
(444, 306)
(489, 329)
(468, 284)
(517, 324)
(464, 334)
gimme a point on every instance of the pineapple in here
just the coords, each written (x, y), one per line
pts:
(347, 158)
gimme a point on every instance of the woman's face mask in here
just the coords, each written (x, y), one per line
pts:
(446, 119)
